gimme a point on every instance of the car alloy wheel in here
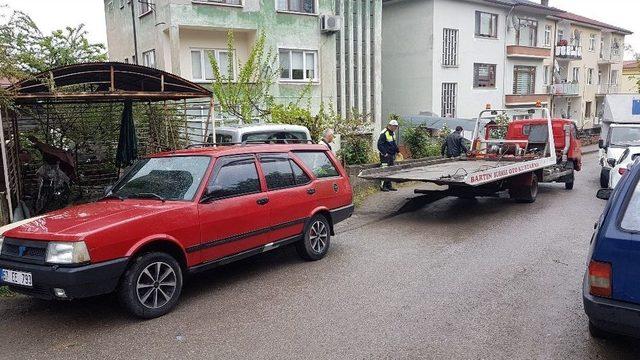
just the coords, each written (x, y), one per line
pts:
(156, 285)
(318, 235)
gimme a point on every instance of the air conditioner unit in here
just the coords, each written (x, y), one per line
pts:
(330, 23)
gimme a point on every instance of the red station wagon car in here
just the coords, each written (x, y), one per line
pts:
(179, 213)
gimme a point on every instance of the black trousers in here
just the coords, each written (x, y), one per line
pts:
(388, 160)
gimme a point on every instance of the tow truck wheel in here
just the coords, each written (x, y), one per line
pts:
(525, 193)
(151, 285)
(568, 185)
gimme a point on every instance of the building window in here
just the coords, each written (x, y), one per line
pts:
(587, 109)
(524, 80)
(560, 36)
(126, 60)
(592, 42)
(486, 24)
(149, 58)
(145, 6)
(228, 2)
(484, 75)
(202, 70)
(614, 77)
(545, 74)
(450, 47)
(527, 34)
(547, 36)
(590, 76)
(449, 99)
(576, 74)
(298, 65)
(301, 6)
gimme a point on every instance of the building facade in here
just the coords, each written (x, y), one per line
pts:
(588, 66)
(631, 77)
(459, 55)
(340, 62)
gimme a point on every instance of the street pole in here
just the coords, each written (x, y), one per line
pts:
(135, 36)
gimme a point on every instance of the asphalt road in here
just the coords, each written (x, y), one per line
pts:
(486, 279)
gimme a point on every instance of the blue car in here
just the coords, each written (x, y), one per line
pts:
(611, 288)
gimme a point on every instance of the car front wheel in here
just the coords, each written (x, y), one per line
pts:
(151, 285)
(317, 236)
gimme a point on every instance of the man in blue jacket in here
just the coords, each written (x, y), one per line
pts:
(388, 148)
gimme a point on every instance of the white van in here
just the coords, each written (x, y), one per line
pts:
(619, 137)
(259, 132)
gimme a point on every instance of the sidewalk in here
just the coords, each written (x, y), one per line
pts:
(590, 149)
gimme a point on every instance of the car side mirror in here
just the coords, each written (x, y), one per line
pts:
(107, 190)
(604, 194)
(601, 144)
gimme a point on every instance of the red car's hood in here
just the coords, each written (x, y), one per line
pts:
(76, 222)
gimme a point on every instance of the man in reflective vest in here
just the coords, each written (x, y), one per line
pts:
(388, 148)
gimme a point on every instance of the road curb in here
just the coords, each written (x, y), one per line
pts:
(590, 152)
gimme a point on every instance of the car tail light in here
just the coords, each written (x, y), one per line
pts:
(622, 170)
(600, 279)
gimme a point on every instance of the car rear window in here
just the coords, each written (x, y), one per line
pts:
(631, 218)
(277, 172)
(274, 135)
(319, 163)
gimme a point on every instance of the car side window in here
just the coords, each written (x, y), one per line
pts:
(631, 219)
(319, 163)
(277, 172)
(236, 177)
(300, 176)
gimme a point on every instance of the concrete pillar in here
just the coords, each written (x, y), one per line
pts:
(343, 64)
(351, 63)
(358, 77)
(377, 64)
(174, 44)
(367, 57)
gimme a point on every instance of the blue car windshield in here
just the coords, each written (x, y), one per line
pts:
(165, 178)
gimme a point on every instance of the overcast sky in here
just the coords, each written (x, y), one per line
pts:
(56, 14)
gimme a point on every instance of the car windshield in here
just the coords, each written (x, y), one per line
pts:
(164, 178)
(625, 136)
(274, 135)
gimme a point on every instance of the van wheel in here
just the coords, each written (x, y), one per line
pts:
(151, 285)
(317, 237)
(604, 178)
(568, 185)
(525, 194)
(598, 333)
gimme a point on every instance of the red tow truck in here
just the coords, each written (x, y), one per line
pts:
(516, 160)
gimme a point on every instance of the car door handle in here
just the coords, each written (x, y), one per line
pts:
(262, 201)
(311, 191)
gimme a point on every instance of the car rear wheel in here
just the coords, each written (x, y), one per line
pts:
(525, 193)
(151, 285)
(317, 237)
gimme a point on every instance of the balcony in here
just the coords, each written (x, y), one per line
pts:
(565, 89)
(568, 52)
(526, 100)
(528, 52)
(605, 89)
(609, 57)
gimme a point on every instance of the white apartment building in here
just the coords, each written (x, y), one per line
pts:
(457, 56)
(332, 46)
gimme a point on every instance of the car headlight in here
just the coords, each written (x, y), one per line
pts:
(67, 253)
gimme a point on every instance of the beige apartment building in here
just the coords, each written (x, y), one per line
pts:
(587, 66)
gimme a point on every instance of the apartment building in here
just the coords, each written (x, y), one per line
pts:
(459, 55)
(333, 45)
(588, 64)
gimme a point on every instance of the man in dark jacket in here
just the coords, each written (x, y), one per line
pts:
(388, 148)
(453, 145)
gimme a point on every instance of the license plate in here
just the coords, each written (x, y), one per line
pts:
(17, 277)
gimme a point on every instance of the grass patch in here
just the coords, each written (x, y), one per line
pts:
(5, 292)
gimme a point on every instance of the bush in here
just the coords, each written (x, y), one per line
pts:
(292, 114)
(417, 140)
(356, 150)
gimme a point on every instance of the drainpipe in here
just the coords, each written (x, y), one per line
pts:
(135, 35)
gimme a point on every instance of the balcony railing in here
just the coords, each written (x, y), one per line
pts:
(529, 99)
(604, 89)
(566, 89)
(610, 56)
(569, 52)
(528, 52)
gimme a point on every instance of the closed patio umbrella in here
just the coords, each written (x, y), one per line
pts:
(127, 151)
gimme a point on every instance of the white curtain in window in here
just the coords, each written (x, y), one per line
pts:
(297, 65)
(208, 69)
(310, 65)
(285, 65)
(196, 65)
(224, 64)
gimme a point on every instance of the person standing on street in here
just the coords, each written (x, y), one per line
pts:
(388, 148)
(327, 138)
(453, 145)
